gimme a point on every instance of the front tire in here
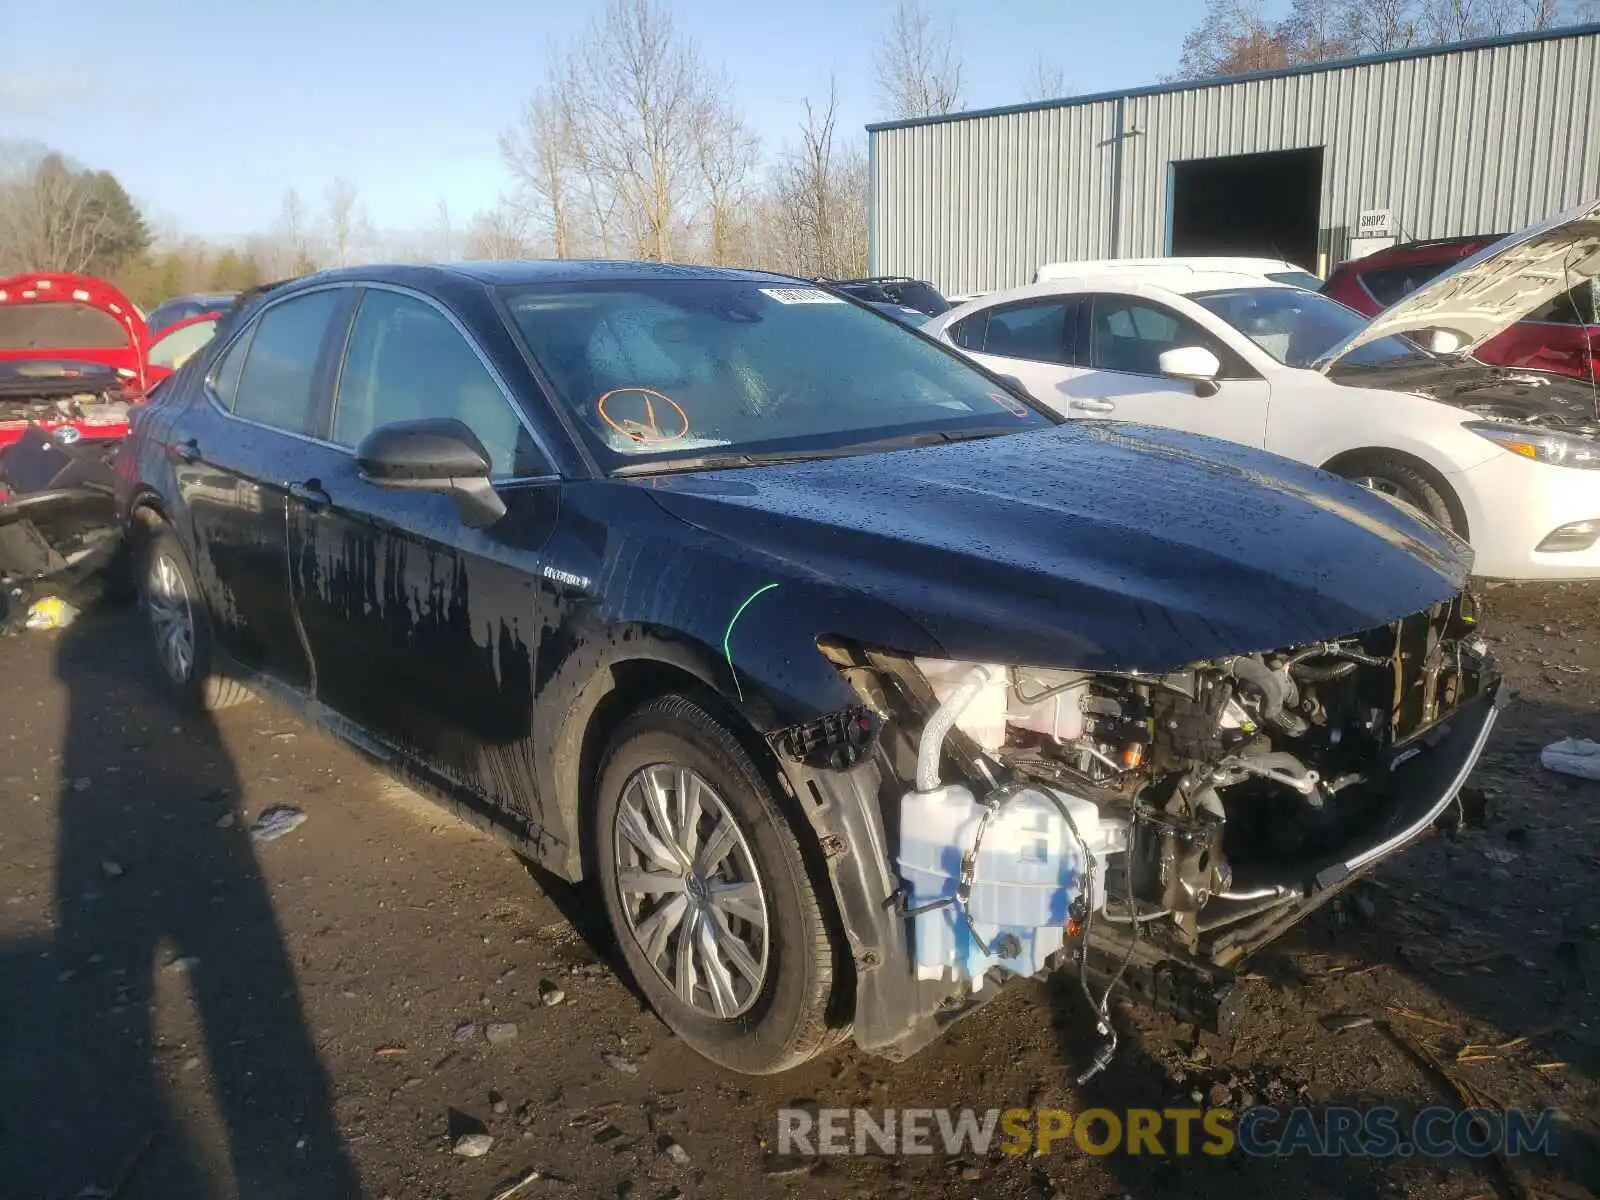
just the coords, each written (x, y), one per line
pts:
(707, 891)
(180, 627)
(1400, 480)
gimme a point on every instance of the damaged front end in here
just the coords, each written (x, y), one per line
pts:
(58, 528)
(986, 820)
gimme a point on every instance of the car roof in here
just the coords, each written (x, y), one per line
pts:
(1178, 282)
(526, 271)
(1181, 263)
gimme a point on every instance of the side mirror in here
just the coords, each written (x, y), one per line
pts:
(434, 455)
(1190, 362)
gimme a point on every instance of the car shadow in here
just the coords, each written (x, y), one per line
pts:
(1475, 977)
(157, 1048)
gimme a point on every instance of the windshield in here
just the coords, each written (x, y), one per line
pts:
(662, 369)
(173, 349)
(1298, 327)
(906, 316)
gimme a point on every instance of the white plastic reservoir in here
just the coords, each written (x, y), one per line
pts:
(1029, 870)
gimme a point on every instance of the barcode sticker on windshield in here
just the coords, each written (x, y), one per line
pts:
(800, 295)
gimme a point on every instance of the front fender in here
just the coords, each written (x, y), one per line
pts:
(631, 603)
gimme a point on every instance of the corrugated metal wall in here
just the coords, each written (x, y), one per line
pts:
(1469, 141)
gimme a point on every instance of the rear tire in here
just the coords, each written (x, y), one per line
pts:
(1401, 480)
(731, 949)
(180, 626)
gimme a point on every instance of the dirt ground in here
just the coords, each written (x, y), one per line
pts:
(185, 1012)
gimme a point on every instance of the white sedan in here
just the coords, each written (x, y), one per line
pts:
(1506, 458)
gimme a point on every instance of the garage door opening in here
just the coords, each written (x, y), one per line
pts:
(1266, 205)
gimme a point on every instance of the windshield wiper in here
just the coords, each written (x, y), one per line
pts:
(718, 462)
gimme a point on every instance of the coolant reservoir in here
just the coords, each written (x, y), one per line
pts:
(1059, 713)
(1029, 869)
(983, 720)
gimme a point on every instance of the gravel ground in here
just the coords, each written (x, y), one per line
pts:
(188, 1012)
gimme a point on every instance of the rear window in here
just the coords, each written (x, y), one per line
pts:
(1299, 279)
(54, 325)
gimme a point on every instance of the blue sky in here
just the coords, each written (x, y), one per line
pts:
(209, 115)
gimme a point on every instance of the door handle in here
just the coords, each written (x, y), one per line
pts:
(1092, 406)
(186, 451)
(311, 495)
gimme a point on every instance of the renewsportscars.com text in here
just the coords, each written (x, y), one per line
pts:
(1259, 1132)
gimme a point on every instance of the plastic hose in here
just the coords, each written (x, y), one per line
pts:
(931, 747)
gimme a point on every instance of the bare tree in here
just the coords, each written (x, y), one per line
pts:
(289, 250)
(446, 230)
(1234, 36)
(1315, 31)
(821, 198)
(727, 152)
(917, 70)
(340, 197)
(641, 101)
(51, 220)
(1046, 79)
(541, 151)
(498, 233)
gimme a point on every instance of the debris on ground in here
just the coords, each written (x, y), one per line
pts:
(1340, 1022)
(50, 613)
(514, 1187)
(549, 994)
(467, 1031)
(276, 821)
(473, 1145)
(674, 1153)
(111, 870)
(500, 1032)
(1573, 756)
(182, 966)
(620, 1062)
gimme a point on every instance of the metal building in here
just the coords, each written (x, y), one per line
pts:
(1473, 138)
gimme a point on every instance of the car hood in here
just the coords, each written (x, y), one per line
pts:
(30, 338)
(1482, 296)
(1094, 545)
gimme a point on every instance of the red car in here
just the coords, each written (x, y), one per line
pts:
(72, 357)
(1563, 337)
(74, 353)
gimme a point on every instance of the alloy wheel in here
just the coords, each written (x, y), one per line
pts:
(689, 889)
(1393, 490)
(171, 617)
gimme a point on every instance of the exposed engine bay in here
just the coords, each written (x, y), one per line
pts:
(55, 394)
(1510, 394)
(58, 527)
(1193, 815)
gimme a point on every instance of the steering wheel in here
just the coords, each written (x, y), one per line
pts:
(649, 429)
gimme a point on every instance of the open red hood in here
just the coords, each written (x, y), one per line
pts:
(47, 316)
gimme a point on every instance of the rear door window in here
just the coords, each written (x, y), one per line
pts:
(277, 385)
(1042, 330)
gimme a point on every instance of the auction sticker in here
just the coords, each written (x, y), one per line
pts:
(800, 295)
